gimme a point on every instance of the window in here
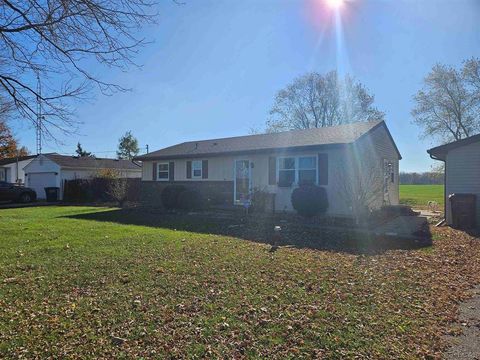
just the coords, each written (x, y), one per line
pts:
(197, 169)
(300, 170)
(307, 170)
(286, 171)
(162, 173)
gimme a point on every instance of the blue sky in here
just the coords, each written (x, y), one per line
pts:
(214, 67)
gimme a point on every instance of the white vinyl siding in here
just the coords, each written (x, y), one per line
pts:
(463, 174)
(378, 147)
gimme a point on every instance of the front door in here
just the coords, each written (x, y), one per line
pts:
(242, 181)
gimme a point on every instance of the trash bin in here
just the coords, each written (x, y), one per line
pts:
(52, 193)
(464, 210)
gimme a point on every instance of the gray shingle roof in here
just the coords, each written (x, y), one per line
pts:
(91, 162)
(342, 134)
(14, 159)
(440, 152)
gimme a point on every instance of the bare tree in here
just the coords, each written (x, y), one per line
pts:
(118, 190)
(471, 73)
(315, 100)
(361, 185)
(58, 43)
(448, 106)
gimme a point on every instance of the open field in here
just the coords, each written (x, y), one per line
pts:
(419, 195)
(73, 284)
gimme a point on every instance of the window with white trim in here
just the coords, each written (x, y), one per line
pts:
(297, 170)
(162, 172)
(197, 169)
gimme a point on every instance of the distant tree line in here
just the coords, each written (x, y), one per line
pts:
(425, 178)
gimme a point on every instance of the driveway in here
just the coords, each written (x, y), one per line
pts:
(467, 345)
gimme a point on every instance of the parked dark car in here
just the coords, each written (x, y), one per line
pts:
(14, 192)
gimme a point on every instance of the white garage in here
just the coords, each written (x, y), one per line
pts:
(51, 170)
(39, 181)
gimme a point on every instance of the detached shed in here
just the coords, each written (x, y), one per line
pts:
(462, 171)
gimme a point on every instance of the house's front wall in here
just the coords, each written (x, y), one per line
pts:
(346, 164)
(463, 175)
(221, 174)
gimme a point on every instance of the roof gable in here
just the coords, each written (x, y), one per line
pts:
(327, 136)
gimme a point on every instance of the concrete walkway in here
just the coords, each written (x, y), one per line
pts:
(467, 345)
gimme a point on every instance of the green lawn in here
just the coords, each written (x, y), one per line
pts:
(70, 282)
(420, 195)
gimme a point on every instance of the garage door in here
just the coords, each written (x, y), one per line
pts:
(39, 181)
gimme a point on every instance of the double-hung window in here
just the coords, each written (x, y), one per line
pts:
(286, 171)
(162, 172)
(197, 169)
(307, 170)
(297, 170)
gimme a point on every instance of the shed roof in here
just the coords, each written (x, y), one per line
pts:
(440, 152)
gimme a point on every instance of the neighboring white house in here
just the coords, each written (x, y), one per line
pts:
(462, 170)
(338, 158)
(51, 170)
(11, 169)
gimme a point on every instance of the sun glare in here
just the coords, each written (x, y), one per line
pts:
(335, 4)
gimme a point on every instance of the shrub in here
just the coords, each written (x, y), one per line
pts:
(387, 212)
(118, 190)
(261, 200)
(191, 200)
(309, 200)
(169, 196)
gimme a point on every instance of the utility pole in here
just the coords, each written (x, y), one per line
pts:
(147, 148)
(39, 117)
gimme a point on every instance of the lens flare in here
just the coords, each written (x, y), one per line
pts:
(335, 4)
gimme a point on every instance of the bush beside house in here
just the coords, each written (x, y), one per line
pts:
(310, 200)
